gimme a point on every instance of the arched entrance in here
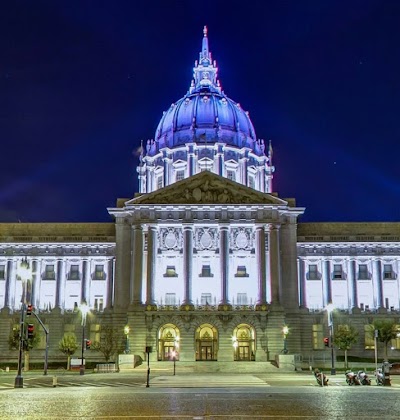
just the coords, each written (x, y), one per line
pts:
(243, 343)
(206, 343)
(168, 342)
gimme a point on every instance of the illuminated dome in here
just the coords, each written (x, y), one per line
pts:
(205, 113)
(205, 131)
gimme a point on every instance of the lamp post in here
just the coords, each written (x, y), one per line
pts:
(330, 307)
(126, 332)
(84, 311)
(175, 351)
(23, 273)
(285, 332)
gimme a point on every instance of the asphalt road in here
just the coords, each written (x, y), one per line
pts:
(190, 396)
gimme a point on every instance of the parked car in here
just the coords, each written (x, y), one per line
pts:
(394, 368)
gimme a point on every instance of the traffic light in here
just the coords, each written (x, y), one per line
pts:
(31, 329)
(326, 341)
(29, 310)
(88, 344)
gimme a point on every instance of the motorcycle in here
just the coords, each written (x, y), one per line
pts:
(321, 378)
(363, 378)
(351, 378)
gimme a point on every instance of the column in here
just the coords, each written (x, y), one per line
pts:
(60, 285)
(377, 283)
(302, 283)
(224, 262)
(9, 297)
(190, 160)
(261, 265)
(274, 262)
(151, 263)
(289, 286)
(187, 262)
(136, 276)
(34, 282)
(122, 263)
(86, 279)
(326, 282)
(350, 284)
(110, 284)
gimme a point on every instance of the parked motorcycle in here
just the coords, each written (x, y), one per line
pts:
(363, 378)
(321, 378)
(352, 378)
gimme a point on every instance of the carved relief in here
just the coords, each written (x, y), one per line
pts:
(241, 238)
(170, 238)
(206, 238)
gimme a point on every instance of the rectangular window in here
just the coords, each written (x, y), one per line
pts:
(231, 175)
(242, 298)
(387, 271)
(206, 271)
(313, 272)
(337, 271)
(99, 272)
(49, 273)
(98, 303)
(363, 272)
(74, 273)
(369, 337)
(180, 175)
(159, 182)
(241, 271)
(2, 272)
(170, 298)
(170, 271)
(252, 182)
(318, 337)
(206, 299)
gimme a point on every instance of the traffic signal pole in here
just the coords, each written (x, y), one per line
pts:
(46, 354)
(19, 380)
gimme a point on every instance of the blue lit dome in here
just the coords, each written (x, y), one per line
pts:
(205, 114)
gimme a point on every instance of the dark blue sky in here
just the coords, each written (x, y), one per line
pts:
(82, 82)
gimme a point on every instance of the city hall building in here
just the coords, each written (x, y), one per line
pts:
(206, 262)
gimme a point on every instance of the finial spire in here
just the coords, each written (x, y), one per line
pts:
(205, 70)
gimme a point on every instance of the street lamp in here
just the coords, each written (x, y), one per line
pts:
(23, 273)
(285, 332)
(126, 332)
(175, 351)
(330, 308)
(84, 311)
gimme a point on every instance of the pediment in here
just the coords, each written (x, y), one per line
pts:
(206, 188)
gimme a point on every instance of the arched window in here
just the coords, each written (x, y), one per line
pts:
(243, 341)
(168, 342)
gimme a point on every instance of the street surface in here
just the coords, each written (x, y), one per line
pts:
(194, 396)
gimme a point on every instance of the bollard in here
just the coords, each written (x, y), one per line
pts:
(54, 381)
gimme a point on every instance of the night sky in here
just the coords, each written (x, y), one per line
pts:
(82, 82)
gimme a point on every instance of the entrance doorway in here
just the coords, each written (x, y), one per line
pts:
(206, 343)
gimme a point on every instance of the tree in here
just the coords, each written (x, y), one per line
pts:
(387, 331)
(345, 336)
(27, 343)
(111, 342)
(68, 346)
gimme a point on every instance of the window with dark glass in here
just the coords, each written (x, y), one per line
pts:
(388, 271)
(206, 271)
(49, 273)
(170, 271)
(313, 272)
(241, 271)
(99, 272)
(159, 182)
(74, 272)
(2, 272)
(252, 183)
(363, 272)
(337, 271)
(231, 175)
